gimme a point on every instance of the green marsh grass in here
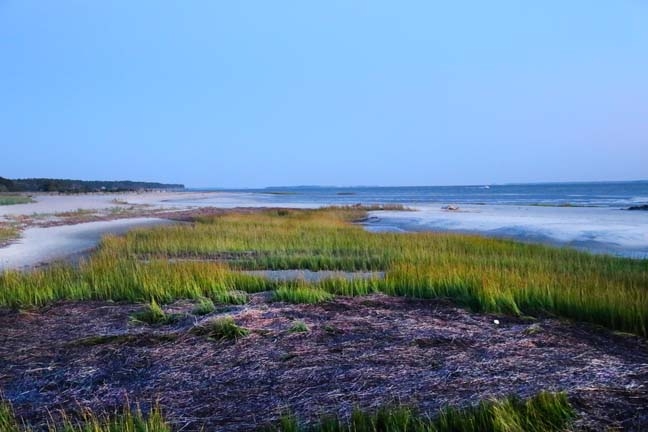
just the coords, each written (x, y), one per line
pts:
(127, 420)
(230, 297)
(152, 313)
(543, 413)
(204, 306)
(8, 232)
(203, 259)
(301, 294)
(299, 327)
(15, 199)
(222, 328)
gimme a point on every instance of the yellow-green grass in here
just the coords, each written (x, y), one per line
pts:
(484, 274)
(127, 420)
(8, 232)
(301, 294)
(542, 413)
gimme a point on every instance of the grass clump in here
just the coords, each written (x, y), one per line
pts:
(301, 295)
(299, 327)
(223, 328)
(231, 297)
(154, 314)
(546, 412)
(204, 306)
(128, 420)
(8, 232)
(8, 421)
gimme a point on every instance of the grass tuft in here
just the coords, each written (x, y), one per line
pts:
(204, 306)
(299, 327)
(223, 328)
(153, 314)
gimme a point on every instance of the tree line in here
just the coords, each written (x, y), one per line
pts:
(78, 186)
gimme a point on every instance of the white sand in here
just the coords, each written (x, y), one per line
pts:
(53, 203)
(44, 245)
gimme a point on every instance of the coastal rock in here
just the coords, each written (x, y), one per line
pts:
(643, 207)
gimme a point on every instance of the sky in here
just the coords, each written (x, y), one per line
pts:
(265, 93)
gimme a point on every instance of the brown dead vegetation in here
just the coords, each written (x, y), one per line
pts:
(358, 352)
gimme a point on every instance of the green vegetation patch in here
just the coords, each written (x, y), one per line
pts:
(154, 314)
(204, 306)
(15, 199)
(546, 412)
(8, 232)
(543, 413)
(299, 327)
(128, 420)
(222, 328)
(483, 274)
(301, 295)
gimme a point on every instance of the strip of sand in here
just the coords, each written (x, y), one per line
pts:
(43, 245)
(53, 203)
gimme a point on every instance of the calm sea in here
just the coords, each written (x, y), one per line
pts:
(600, 194)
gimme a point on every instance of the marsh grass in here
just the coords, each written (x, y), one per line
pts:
(76, 213)
(8, 232)
(231, 297)
(153, 314)
(222, 328)
(204, 306)
(301, 294)
(127, 420)
(8, 421)
(543, 413)
(299, 327)
(15, 199)
(483, 274)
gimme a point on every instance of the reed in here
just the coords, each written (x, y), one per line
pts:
(204, 259)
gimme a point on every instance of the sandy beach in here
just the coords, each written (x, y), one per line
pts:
(51, 204)
(63, 227)
(39, 246)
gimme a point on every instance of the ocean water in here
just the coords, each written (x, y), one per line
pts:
(603, 194)
(586, 216)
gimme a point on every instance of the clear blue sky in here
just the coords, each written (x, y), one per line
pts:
(259, 93)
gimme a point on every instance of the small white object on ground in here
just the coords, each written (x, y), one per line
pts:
(496, 322)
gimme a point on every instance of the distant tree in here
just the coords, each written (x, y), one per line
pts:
(6, 185)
